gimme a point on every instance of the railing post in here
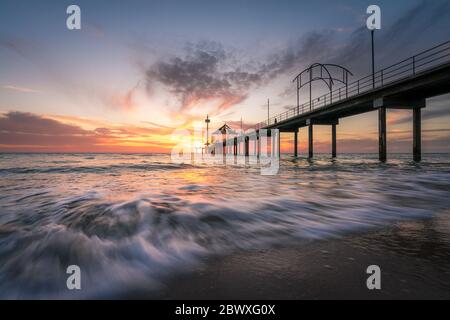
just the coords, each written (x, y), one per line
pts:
(414, 65)
(358, 86)
(382, 82)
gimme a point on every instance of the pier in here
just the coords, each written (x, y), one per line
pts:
(404, 85)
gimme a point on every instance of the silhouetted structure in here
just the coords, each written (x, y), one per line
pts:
(404, 85)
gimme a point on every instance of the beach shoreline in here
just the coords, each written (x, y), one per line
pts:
(325, 269)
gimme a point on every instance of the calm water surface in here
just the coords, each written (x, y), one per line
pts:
(131, 221)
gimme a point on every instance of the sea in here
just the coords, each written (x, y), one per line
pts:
(131, 222)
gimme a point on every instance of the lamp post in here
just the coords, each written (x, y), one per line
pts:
(373, 23)
(207, 121)
(372, 32)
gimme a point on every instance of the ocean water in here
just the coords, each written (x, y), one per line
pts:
(133, 221)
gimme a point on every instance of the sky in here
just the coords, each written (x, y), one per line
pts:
(138, 70)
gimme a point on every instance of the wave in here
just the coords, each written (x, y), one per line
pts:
(93, 168)
(138, 243)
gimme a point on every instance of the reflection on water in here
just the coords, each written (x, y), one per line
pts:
(131, 220)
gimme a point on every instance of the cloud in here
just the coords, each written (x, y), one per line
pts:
(39, 55)
(313, 46)
(204, 74)
(235, 125)
(121, 101)
(370, 145)
(417, 21)
(327, 46)
(209, 73)
(22, 47)
(19, 89)
(427, 115)
(436, 108)
(401, 36)
(21, 131)
(26, 123)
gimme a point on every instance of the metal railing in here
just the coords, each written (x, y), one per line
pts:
(404, 69)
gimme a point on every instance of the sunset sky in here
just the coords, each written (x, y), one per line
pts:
(138, 70)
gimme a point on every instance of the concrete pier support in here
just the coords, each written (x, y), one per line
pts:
(417, 134)
(310, 141)
(333, 141)
(296, 143)
(235, 146)
(382, 137)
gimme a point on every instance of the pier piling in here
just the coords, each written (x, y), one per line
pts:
(246, 146)
(333, 141)
(417, 135)
(296, 143)
(382, 134)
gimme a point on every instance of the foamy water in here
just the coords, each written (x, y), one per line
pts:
(132, 221)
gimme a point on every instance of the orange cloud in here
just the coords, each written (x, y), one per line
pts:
(27, 132)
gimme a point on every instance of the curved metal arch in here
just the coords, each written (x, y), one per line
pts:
(345, 72)
(329, 79)
(338, 66)
(298, 78)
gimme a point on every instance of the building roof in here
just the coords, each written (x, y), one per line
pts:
(225, 129)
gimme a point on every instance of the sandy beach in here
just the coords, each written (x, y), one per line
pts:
(414, 258)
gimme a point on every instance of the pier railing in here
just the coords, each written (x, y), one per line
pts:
(409, 67)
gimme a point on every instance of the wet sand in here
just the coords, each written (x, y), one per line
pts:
(414, 258)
